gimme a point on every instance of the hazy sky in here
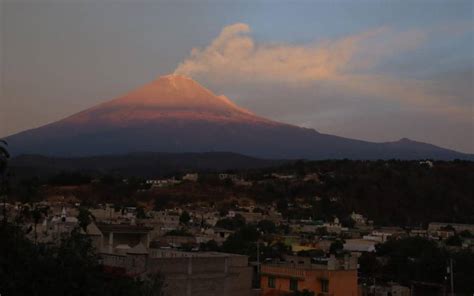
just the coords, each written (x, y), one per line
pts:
(373, 70)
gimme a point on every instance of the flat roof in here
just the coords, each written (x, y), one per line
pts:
(124, 228)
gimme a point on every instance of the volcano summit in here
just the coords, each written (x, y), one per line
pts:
(176, 114)
(171, 97)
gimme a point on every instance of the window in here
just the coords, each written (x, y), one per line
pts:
(271, 282)
(293, 285)
(325, 286)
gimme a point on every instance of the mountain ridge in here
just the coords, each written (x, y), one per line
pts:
(145, 164)
(176, 114)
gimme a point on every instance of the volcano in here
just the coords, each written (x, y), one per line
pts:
(176, 114)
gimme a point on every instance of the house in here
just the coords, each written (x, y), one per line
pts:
(389, 289)
(359, 245)
(224, 176)
(217, 234)
(52, 229)
(335, 277)
(106, 212)
(242, 182)
(358, 219)
(435, 226)
(311, 177)
(192, 177)
(250, 217)
(428, 163)
(418, 232)
(95, 235)
(283, 177)
(123, 234)
(177, 241)
(378, 236)
(162, 182)
(166, 220)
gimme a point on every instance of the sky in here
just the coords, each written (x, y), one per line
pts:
(371, 70)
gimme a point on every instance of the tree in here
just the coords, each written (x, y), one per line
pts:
(141, 213)
(266, 226)
(152, 285)
(36, 214)
(454, 240)
(348, 222)
(234, 223)
(336, 247)
(84, 217)
(184, 218)
(369, 265)
(178, 232)
(209, 246)
(28, 189)
(322, 231)
(466, 233)
(448, 228)
(4, 156)
(242, 241)
(71, 268)
(276, 250)
(413, 258)
(162, 202)
(282, 206)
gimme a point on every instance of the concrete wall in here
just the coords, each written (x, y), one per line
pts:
(195, 276)
(190, 274)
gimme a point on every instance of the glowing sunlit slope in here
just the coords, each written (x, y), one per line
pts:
(169, 97)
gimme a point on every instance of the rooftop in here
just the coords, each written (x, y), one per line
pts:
(123, 228)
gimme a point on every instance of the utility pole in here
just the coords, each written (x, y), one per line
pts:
(451, 271)
(258, 257)
(451, 275)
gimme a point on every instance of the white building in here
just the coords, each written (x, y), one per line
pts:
(191, 177)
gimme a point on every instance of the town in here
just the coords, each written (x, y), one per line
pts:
(236, 148)
(302, 228)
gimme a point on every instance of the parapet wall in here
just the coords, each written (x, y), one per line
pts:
(190, 274)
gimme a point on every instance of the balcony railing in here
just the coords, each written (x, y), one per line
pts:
(284, 271)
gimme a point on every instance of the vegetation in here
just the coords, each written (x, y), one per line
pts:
(403, 193)
(84, 217)
(312, 253)
(418, 259)
(233, 223)
(184, 218)
(71, 268)
(336, 247)
(178, 232)
(267, 226)
(4, 157)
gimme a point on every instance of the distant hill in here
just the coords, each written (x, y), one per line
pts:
(137, 164)
(176, 114)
